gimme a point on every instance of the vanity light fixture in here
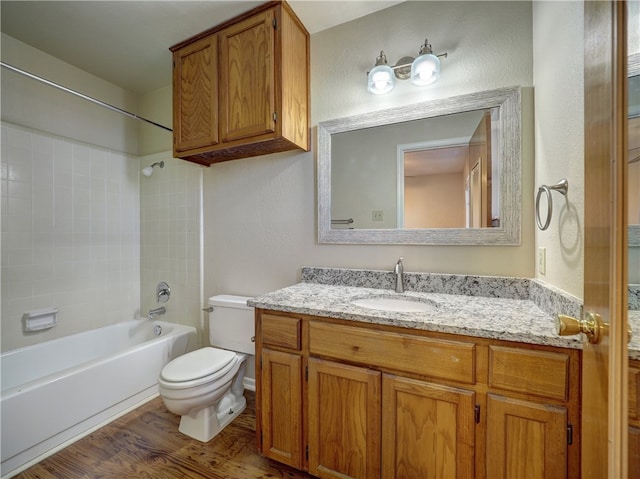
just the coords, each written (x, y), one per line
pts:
(423, 70)
(381, 79)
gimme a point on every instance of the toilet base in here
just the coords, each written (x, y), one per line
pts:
(207, 423)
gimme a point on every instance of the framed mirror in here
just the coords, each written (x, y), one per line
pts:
(634, 150)
(442, 172)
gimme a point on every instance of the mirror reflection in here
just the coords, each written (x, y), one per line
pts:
(429, 173)
(634, 151)
(440, 172)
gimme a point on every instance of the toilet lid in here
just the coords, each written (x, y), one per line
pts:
(197, 364)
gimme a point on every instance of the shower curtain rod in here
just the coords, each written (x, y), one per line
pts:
(81, 95)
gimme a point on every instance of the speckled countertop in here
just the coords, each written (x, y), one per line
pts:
(479, 311)
(495, 318)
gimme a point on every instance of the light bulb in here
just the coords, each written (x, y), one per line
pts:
(425, 70)
(381, 80)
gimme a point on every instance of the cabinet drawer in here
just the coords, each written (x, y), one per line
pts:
(282, 331)
(435, 358)
(634, 393)
(541, 373)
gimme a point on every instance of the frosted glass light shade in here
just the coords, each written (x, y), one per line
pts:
(425, 70)
(381, 80)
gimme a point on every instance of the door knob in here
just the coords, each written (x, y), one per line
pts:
(591, 326)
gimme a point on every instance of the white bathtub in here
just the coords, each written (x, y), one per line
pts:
(56, 392)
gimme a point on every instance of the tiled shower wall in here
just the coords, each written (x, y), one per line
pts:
(170, 207)
(70, 234)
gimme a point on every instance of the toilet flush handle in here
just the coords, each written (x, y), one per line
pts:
(208, 309)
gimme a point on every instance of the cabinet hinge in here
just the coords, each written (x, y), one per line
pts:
(569, 434)
(275, 24)
(477, 413)
(306, 452)
(306, 373)
(275, 116)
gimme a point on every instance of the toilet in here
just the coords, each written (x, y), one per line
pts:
(205, 386)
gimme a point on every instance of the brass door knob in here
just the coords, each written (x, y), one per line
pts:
(591, 326)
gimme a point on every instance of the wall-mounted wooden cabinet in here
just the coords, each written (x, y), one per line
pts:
(342, 399)
(241, 89)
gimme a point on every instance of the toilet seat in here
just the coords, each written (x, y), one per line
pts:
(198, 367)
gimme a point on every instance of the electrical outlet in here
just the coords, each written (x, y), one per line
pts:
(542, 260)
(376, 215)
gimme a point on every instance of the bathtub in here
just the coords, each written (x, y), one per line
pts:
(57, 391)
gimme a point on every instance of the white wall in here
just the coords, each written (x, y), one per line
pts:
(32, 104)
(70, 199)
(558, 61)
(260, 213)
(70, 234)
(170, 207)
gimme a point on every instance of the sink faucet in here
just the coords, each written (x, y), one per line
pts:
(157, 312)
(399, 272)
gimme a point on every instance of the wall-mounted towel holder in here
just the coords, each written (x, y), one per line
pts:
(563, 187)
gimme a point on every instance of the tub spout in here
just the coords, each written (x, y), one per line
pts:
(157, 312)
(399, 272)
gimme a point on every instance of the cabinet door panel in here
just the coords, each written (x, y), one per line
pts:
(525, 440)
(634, 452)
(427, 430)
(247, 76)
(282, 407)
(195, 107)
(344, 421)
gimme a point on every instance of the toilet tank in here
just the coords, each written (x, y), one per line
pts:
(231, 323)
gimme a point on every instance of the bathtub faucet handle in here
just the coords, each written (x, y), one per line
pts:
(157, 312)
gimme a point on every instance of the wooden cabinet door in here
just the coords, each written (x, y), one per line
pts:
(428, 430)
(247, 78)
(281, 390)
(195, 95)
(525, 440)
(344, 421)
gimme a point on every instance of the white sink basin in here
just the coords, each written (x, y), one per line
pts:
(401, 304)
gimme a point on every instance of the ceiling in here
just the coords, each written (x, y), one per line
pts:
(126, 42)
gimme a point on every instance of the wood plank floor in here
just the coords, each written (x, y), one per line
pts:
(146, 444)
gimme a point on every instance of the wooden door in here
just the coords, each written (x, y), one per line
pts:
(604, 369)
(428, 430)
(281, 394)
(195, 95)
(247, 78)
(525, 440)
(344, 421)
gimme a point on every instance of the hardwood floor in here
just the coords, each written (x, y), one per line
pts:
(146, 444)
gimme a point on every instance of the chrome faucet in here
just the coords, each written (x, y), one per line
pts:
(157, 312)
(399, 272)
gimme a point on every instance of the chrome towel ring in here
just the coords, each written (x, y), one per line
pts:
(562, 186)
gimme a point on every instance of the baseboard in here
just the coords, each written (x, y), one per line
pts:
(249, 383)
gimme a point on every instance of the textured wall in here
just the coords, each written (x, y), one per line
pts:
(559, 131)
(260, 213)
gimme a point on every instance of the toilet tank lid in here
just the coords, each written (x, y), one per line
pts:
(230, 301)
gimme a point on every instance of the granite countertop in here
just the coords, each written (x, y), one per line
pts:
(634, 344)
(484, 317)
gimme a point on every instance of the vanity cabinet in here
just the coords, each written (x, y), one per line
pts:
(634, 418)
(241, 89)
(371, 401)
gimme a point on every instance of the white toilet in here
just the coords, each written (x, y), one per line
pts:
(205, 386)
